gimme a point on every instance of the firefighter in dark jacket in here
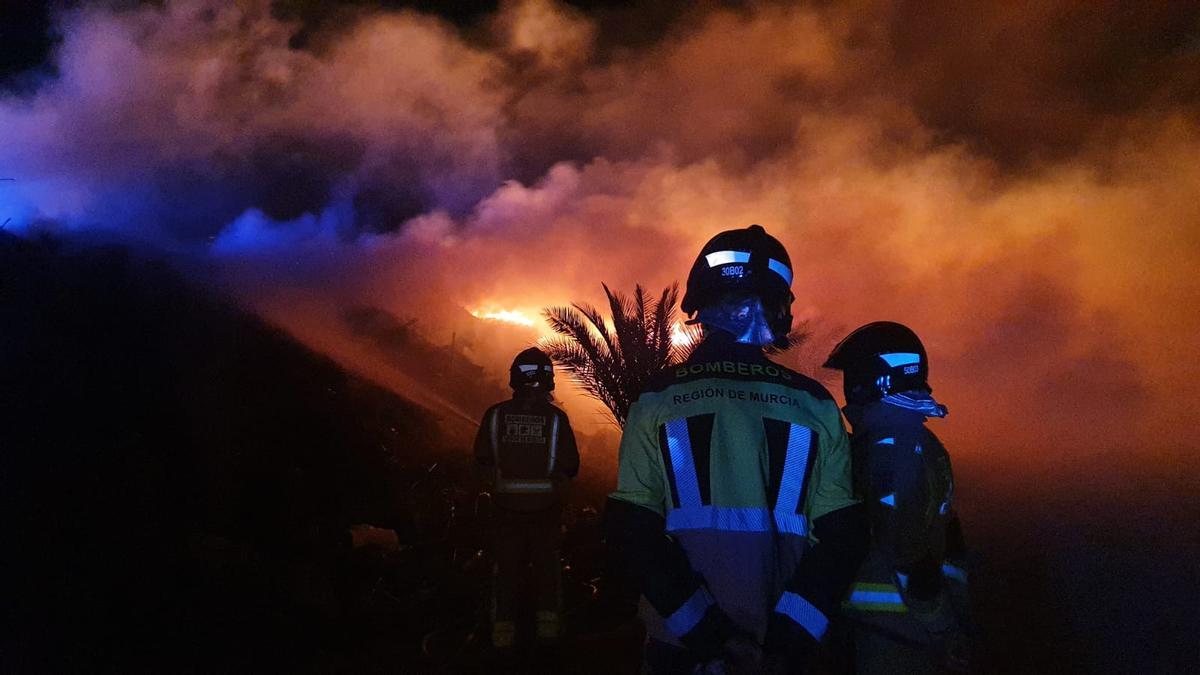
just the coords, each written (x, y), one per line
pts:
(907, 609)
(528, 449)
(734, 508)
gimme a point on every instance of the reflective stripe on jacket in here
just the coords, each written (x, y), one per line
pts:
(738, 456)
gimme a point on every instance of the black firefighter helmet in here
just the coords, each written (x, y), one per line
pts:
(878, 359)
(748, 261)
(532, 369)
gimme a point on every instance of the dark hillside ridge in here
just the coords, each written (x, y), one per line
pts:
(146, 424)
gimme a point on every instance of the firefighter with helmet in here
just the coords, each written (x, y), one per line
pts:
(734, 508)
(907, 609)
(528, 450)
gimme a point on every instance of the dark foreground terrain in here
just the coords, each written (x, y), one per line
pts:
(178, 481)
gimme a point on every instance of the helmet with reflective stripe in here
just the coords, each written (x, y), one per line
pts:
(532, 369)
(746, 261)
(878, 359)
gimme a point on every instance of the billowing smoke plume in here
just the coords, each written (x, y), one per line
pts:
(1019, 185)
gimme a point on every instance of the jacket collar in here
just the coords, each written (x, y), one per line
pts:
(879, 416)
(530, 395)
(719, 344)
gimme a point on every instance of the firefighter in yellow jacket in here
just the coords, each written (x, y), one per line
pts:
(734, 511)
(527, 446)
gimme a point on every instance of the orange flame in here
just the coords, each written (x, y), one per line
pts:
(506, 315)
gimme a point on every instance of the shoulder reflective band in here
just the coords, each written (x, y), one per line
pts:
(895, 359)
(679, 443)
(725, 257)
(875, 598)
(889, 500)
(796, 608)
(524, 486)
(795, 466)
(954, 572)
(734, 519)
(553, 444)
(684, 619)
(780, 269)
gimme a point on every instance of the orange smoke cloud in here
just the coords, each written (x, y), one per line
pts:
(1024, 196)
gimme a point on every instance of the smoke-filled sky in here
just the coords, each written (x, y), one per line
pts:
(1019, 182)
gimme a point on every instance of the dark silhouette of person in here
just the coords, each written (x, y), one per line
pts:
(527, 446)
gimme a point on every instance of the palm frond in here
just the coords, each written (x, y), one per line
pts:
(682, 352)
(613, 358)
(581, 367)
(664, 321)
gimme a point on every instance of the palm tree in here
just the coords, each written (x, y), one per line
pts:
(612, 360)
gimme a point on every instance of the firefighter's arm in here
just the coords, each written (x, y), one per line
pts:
(918, 572)
(485, 459)
(655, 561)
(568, 451)
(954, 571)
(839, 539)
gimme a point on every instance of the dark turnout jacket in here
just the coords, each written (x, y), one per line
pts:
(529, 444)
(913, 578)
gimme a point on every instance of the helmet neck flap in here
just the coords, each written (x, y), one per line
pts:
(741, 283)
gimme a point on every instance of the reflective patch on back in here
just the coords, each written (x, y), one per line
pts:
(679, 444)
(795, 469)
(524, 429)
(735, 519)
